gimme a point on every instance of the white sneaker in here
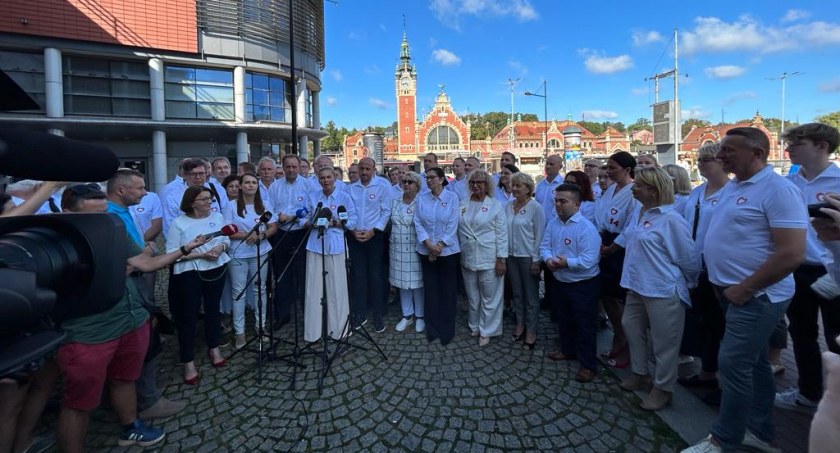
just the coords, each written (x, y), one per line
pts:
(790, 399)
(420, 326)
(405, 322)
(755, 444)
(704, 446)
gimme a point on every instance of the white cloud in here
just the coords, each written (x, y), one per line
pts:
(599, 115)
(600, 64)
(714, 35)
(379, 103)
(694, 112)
(724, 71)
(331, 101)
(641, 38)
(336, 75)
(832, 86)
(793, 15)
(445, 57)
(450, 12)
(743, 95)
(518, 67)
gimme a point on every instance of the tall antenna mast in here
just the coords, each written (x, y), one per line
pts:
(511, 136)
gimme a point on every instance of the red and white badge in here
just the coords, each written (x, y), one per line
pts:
(409, 211)
(567, 241)
(212, 224)
(372, 196)
(820, 196)
(741, 200)
(483, 209)
(613, 211)
(299, 198)
(443, 205)
(646, 224)
(140, 209)
(522, 212)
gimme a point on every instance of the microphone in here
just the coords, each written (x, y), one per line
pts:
(301, 213)
(317, 209)
(226, 230)
(342, 215)
(265, 217)
(46, 157)
(323, 220)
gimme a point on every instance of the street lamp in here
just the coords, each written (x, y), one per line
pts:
(545, 113)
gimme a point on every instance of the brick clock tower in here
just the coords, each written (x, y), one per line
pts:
(405, 83)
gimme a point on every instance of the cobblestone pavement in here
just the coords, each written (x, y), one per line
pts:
(425, 397)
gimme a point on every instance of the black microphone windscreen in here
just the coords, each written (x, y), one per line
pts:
(325, 213)
(266, 216)
(47, 157)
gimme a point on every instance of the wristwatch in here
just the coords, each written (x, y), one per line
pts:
(501, 260)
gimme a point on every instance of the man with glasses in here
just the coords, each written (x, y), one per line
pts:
(459, 184)
(591, 168)
(195, 174)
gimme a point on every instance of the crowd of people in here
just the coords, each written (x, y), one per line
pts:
(711, 271)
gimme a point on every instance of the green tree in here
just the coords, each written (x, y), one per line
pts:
(591, 126)
(640, 124)
(334, 139)
(687, 124)
(832, 119)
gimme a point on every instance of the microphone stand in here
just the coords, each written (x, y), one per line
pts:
(266, 354)
(344, 344)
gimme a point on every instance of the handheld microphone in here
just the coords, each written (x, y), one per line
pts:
(323, 220)
(301, 213)
(317, 209)
(342, 215)
(226, 230)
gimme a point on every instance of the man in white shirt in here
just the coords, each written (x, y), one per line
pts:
(759, 228)
(288, 196)
(371, 197)
(194, 174)
(459, 184)
(314, 184)
(591, 168)
(353, 173)
(220, 168)
(304, 168)
(544, 193)
(265, 171)
(810, 146)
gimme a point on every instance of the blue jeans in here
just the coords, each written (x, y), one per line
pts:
(746, 381)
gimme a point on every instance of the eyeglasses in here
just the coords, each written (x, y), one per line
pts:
(204, 199)
(196, 174)
(407, 181)
(477, 183)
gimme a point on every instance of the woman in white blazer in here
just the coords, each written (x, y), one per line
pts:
(483, 235)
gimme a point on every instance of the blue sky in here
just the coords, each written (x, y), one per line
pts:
(595, 57)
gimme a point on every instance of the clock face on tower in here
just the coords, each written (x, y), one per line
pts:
(405, 82)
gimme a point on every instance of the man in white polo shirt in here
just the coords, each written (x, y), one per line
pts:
(756, 239)
(810, 146)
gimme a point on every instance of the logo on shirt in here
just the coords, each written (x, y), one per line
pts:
(214, 209)
(372, 196)
(409, 211)
(741, 200)
(299, 198)
(646, 224)
(522, 212)
(567, 241)
(212, 224)
(143, 209)
(332, 208)
(613, 211)
(714, 202)
(820, 196)
(443, 205)
(483, 209)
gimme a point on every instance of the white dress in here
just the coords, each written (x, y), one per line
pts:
(404, 260)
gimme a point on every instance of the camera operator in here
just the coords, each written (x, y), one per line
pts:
(109, 345)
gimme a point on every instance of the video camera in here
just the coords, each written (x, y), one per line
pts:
(53, 267)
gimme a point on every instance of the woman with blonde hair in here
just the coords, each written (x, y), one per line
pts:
(526, 224)
(682, 184)
(406, 273)
(483, 235)
(660, 265)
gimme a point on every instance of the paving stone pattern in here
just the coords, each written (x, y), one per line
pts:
(425, 397)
